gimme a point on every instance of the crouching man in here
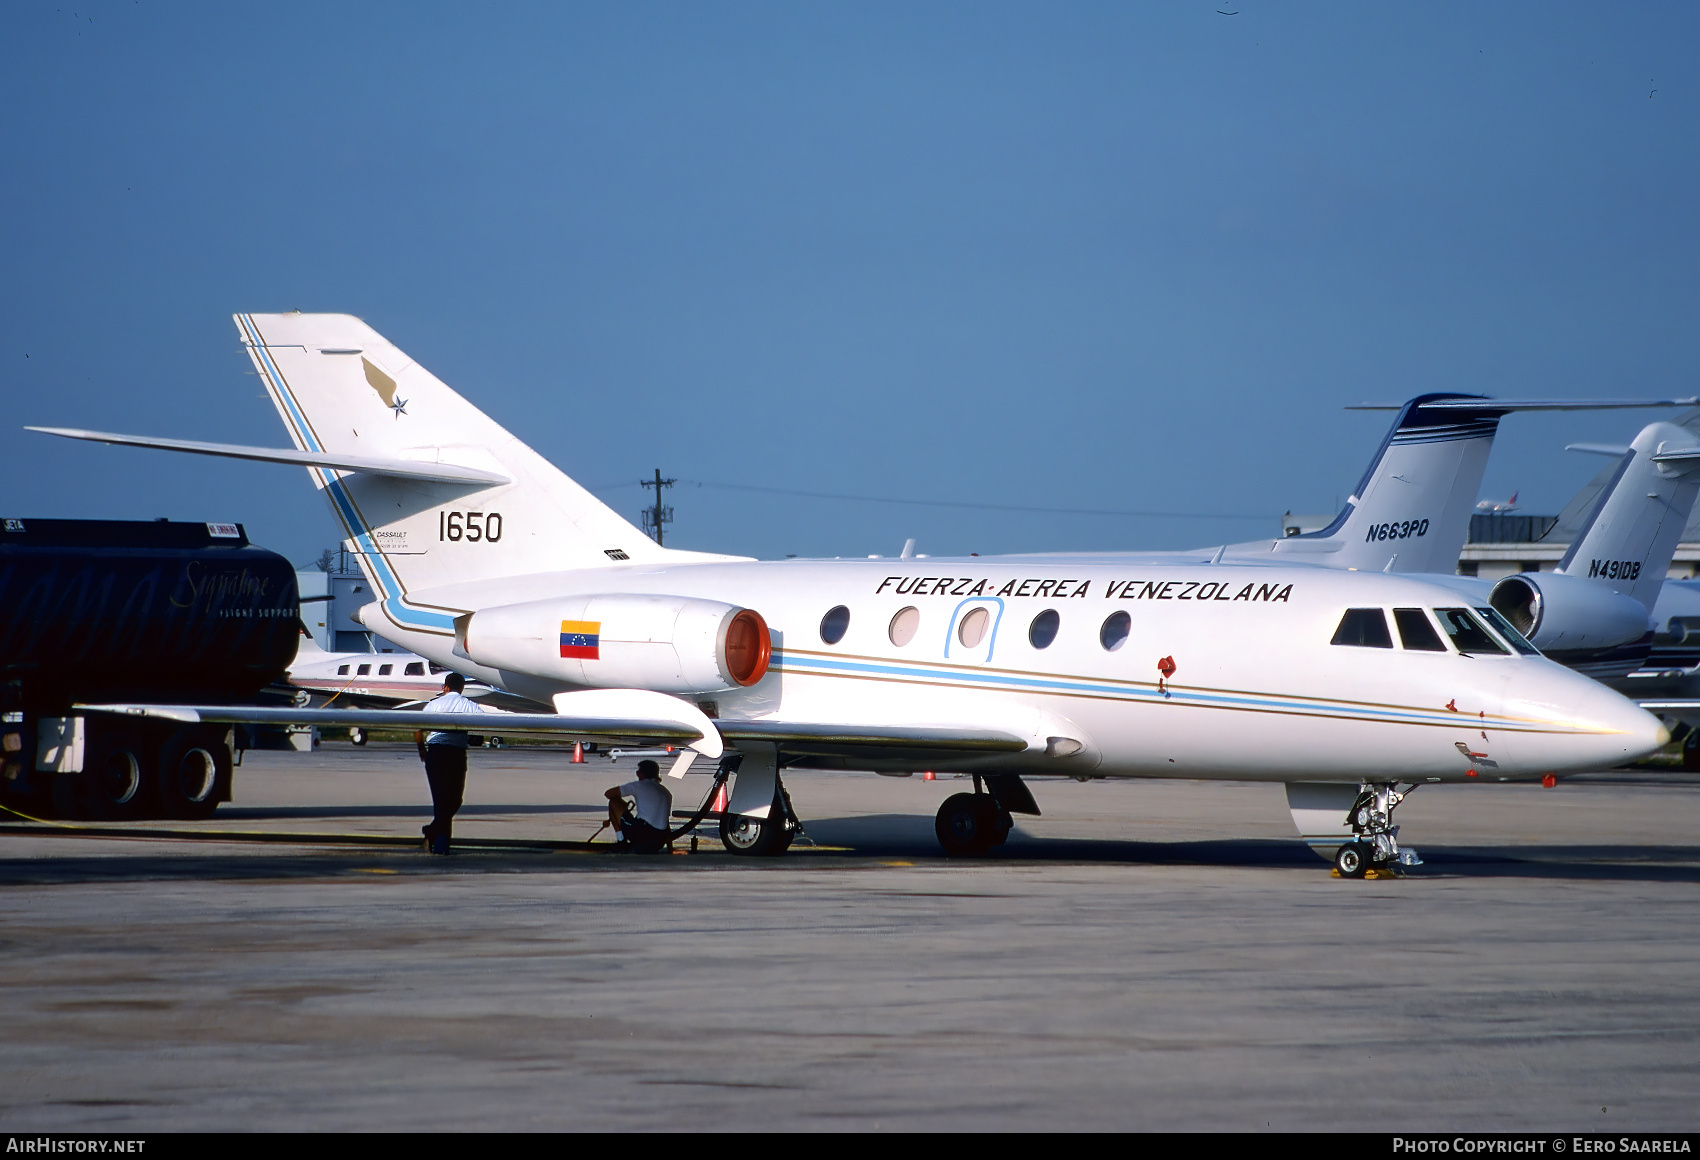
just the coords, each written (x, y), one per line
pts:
(642, 830)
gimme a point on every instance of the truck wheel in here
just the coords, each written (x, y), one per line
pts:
(118, 780)
(193, 767)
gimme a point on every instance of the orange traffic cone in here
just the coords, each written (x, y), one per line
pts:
(578, 753)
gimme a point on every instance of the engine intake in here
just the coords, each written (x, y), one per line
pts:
(1561, 613)
(671, 644)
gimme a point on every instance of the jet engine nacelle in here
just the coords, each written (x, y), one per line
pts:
(1564, 613)
(671, 644)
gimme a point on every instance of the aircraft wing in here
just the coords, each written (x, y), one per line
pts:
(883, 743)
(408, 719)
(873, 740)
(1687, 711)
(398, 468)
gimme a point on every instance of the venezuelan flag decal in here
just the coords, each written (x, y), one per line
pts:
(581, 639)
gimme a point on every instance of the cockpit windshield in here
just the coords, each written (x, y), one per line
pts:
(1363, 628)
(1512, 637)
(1468, 635)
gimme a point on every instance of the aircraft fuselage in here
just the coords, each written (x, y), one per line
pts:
(1150, 670)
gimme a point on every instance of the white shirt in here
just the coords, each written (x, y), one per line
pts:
(654, 802)
(450, 703)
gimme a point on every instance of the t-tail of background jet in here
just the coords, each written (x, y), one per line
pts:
(1411, 511)
(1593, 610)
(448, 496)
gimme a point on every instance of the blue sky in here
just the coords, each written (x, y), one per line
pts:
(1118, 257)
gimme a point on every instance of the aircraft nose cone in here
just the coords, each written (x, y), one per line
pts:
(1592, 728)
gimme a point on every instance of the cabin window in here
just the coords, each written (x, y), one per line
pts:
(342, 670)
(903, 626)
(1512, 637)
(436, 668)
(362, 670)
(414, 669)
(1043, 630)
(1416, 633)
(385, 670)
(835, 624)
(971, 629)
(1114, 632)
(1468, 635)
(1363, 628)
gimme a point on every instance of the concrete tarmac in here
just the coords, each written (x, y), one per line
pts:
(1145, 956)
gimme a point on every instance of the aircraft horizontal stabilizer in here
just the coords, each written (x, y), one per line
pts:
(396, 468)
(1508, 405)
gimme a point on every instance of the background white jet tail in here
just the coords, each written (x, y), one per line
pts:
(1412, 508)
(343, 390)
(1411, 511)
(1630, 537)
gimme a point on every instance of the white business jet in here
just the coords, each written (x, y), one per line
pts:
(387, 680)
(488, 559)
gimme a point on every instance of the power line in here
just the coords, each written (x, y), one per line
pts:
(994, 507)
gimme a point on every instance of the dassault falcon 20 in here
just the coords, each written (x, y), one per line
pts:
(490, 560)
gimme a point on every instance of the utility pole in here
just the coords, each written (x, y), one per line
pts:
(656, 515)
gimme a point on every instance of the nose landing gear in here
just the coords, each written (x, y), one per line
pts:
(1376, 845)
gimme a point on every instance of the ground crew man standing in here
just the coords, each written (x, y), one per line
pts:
(444, 755)
(644, 830)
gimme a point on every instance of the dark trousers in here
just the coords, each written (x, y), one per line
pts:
(445, 769)
(642, 837)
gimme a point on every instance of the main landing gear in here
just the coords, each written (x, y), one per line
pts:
(761, 837)
(1376, 844)
(971, 824)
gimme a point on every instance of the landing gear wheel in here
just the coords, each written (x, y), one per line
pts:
(1691, 751)
(968, 825)
(356, 735)
(760, 837)
(1352, 860)
(193, 768)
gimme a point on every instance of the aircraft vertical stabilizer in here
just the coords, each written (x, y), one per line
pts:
(1631, 535)
(1411, 511)
(343, 390)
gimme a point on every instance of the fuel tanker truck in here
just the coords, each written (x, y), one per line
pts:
(100, 611)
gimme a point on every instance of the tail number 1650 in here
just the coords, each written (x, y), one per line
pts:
(471, 526)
